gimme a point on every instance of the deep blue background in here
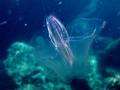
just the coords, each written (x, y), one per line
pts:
(31, 12)
(17, 13)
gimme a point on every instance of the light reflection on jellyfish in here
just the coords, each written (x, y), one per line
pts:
(66, 52)
(60, 39)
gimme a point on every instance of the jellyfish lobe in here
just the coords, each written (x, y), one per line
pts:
(66, 51)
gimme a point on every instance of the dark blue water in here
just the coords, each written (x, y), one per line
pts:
(18, 13)
(20, 19)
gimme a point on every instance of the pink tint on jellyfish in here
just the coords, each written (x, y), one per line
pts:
(60, 39)
(66, 51)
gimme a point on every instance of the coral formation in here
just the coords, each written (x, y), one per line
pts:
(105, 72)
(20, 66)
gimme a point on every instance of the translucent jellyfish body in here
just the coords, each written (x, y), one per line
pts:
(66, 51)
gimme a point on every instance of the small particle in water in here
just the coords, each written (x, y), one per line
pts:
(101, 2)
(118, 27)
(118, 13)
(60, 3)
(104, 23)
(25, 24)
(17, 2)
(43, 25)
(20, 18)
(9, 11)
(2, 23)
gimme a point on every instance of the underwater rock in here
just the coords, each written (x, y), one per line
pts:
(111, 55)
(113, 47)
(100, 44)
(28, 87)
(105, 73)
(113, 81)
(20, 66)
(17, 60)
